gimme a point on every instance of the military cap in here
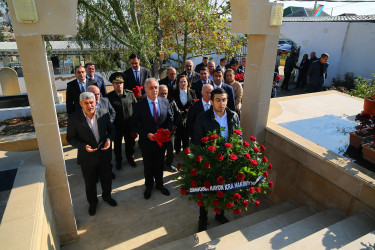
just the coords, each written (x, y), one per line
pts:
(117, 77)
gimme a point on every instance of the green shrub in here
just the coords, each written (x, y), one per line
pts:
(363, 87)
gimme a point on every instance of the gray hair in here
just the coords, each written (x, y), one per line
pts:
(86, 95)
(163, 86)
(170, 68)
(189, 61)
(207, 85)
(92, 88)
(151, 79)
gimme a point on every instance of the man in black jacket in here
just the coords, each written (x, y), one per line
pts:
(290, 64)
(122, 101)
(189, 72)
(170, 79)
(217, 117)
(135, 75)
(74, 89)
(218, 83)
(203, 64)
(197, 85)
(91, 131)
(102, 102)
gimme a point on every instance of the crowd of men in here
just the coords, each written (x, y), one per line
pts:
(189, 105)
(312, 72)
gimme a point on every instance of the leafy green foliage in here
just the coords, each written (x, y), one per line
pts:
(363, 87)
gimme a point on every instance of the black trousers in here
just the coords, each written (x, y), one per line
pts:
(170, 147)
(123, 132)
(90, 172)
(203, 213)
(302, 80)
(182, 135)
(153, 162)
(286, 80)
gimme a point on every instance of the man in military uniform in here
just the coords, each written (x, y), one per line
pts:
(122, 101)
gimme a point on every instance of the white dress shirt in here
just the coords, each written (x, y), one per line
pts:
(215, 86)
(183, 96)
(93, 124)
(80, 84)
(223, 123)
(206, 105)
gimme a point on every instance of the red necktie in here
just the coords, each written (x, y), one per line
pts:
(155, 111)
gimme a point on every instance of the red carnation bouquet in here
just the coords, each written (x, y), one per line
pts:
(162, 136)
(224, 175)
(239, 77)
(137, 91)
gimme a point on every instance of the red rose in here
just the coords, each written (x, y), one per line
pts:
(264, 159)
(220, 157)
(238, 132)
(229, 205)
(206, 164)
(199, 196)
(270, 184)
(213, 137)
(228, 145)
(220, 180)
(220, 194)
(216, 210)
(247, 156)
(133, 135)
(236, 197)
(257, 203)
(245, 144)
(193, 172)
(262, 147)
(240, 177)
(178, 166)
(252, 190)
(200, 203)
(256, 150)
(212, 148)
(269, 166)
(195, 100)
(187, 151)
(183, 191)
(207, 184)
(194, 183)
(265, 174)
(233, 157)
(215, 202)
(237, 211)
(253, 138)
(253, 163)
(198, 158)
(245, 203)
(205, 139)
(257, 189)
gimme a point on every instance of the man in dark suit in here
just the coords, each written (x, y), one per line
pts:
(91, 131)
(197, 85)
(135, 75)
(217, 117)
(223, 62)
(189, 72)
(150, 114)
(243, 64)
(74, 89)
(122, 101)
(169, 80)
(290, 64)
(218, 83)
(102, 102)
(317, 73)
(203, 64)
(199, 107)
(95, 79)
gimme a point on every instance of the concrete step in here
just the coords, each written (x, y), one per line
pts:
(338, 234)
(219, 231)
(240, 237)
(365, 242)
(296, 231)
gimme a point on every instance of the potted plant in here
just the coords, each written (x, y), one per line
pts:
(366, 122)
(365, 88)
(369, 151)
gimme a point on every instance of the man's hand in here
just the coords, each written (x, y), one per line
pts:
(151, 137)
(89, 149)
(107, 144)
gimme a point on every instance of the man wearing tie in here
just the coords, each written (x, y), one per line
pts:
(150, 114)
(189, 72)
(170, 79)
(197, 86)
(135, 75)
(74, 89)
(95, 79)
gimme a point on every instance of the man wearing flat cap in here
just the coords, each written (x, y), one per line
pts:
(122, 100)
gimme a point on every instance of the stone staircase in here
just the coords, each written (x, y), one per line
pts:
(286, 226)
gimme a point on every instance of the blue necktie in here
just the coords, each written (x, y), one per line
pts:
(137, 78)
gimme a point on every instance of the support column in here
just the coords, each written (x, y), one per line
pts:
(260, 64)
(33, 57)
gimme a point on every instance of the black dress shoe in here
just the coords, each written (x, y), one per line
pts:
(202, 225)
(110, 201)
(92, 210)
(171, 169)
(118, 165)
(164, 191)
(132, 163)
(147, 194)
(221, 218)
(113, 176)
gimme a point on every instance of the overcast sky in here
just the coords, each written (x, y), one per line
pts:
(337, 8)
